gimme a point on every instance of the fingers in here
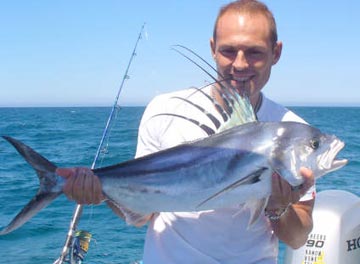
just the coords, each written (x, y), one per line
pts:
(65, 172)
(309, 180)
(284, 194)
(81, 185)
(281, 194)
(96, 193)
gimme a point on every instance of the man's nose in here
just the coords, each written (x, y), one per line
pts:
(240, 61)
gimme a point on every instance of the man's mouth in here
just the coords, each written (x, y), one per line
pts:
(242, 79)
(243, 84)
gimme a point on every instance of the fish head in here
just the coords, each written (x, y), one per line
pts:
(300, 145)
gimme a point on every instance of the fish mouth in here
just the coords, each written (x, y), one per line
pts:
(328, 162)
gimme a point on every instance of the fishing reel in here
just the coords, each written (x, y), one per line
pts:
(79, 247)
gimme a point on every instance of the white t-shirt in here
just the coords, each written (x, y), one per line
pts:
(214, 236)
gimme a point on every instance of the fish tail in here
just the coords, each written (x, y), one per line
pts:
(49, 187)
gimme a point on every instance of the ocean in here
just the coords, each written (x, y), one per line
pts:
(70, 136)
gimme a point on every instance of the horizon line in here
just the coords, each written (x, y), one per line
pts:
(323, 104)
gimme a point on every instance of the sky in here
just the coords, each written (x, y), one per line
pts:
(75, 53)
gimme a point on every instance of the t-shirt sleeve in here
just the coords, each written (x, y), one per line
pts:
(147, 141)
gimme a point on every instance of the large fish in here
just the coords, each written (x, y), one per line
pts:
(233, 165)
(224, 169)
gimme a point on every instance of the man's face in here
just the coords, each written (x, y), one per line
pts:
(244, 53)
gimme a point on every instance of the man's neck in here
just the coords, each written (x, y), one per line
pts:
(256, 102)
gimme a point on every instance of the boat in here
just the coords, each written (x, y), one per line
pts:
(335, 238)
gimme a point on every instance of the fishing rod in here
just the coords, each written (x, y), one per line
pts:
(77, 242)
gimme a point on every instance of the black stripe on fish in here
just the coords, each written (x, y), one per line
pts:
(218, 107)
(228, 105)
(209, 115)
(209, 131)
(228, 96)
(224, 95)
(226, 114)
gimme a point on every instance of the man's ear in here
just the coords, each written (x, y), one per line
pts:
(213, 47)
(277, 52)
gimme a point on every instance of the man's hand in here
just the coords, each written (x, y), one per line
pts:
(294, 226)
(81, 185)
(283, 194)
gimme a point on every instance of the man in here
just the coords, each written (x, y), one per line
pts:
(244, 47)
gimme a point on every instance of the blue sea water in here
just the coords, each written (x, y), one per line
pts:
(69, 137)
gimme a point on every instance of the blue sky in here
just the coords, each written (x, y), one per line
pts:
(74, 53)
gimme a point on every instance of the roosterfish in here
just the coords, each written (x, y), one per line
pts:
(232, 165)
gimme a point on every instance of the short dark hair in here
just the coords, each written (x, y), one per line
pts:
(251, 7)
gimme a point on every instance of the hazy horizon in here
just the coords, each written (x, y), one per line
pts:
(74, 53)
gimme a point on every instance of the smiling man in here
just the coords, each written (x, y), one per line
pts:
(244, 47)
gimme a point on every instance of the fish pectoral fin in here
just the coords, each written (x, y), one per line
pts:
(256, 208)
(250, 179)
(130, 217)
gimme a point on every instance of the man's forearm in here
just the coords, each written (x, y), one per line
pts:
(295, 225)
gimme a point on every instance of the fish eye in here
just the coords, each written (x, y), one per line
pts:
(314, 143)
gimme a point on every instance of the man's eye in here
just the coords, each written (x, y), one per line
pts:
(314, 143)
(255, 53)
(228, 52)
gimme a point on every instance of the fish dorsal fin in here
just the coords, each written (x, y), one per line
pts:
(222, 106)
(239, 108)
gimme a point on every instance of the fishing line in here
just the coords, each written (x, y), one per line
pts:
(77, 241)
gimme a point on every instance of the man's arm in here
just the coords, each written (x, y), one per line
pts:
(294, 226)
(83, 186)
